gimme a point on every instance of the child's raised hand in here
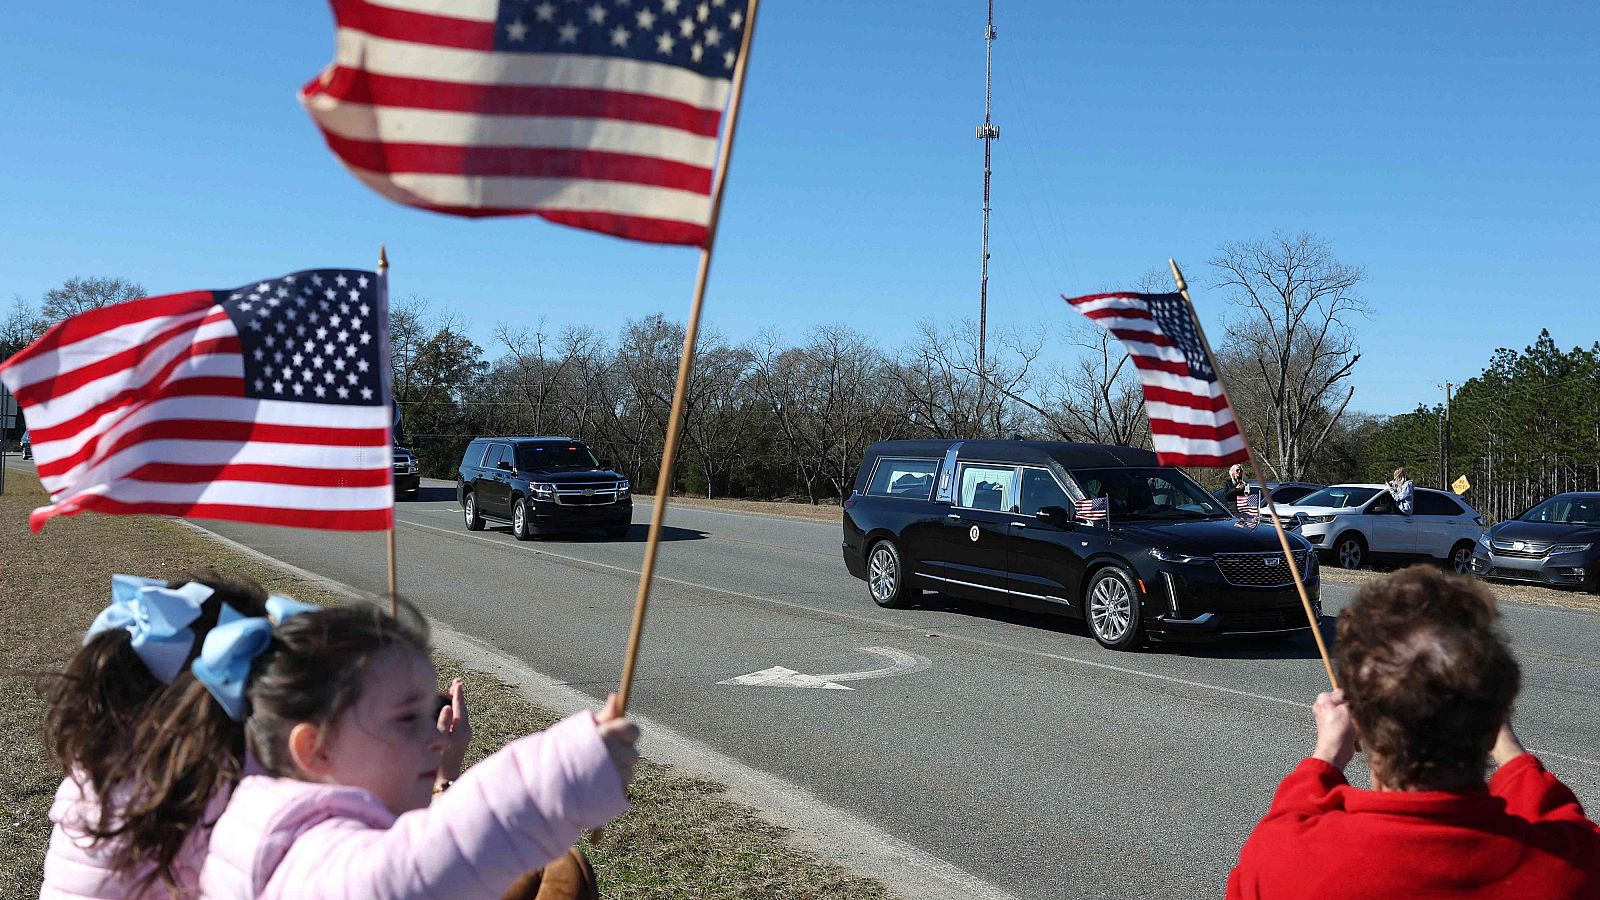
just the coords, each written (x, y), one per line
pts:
(453, 721)
(620, 735)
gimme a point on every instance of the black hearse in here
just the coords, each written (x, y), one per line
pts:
(995, 521)
(541, 485)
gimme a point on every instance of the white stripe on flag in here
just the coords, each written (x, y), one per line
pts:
(547, 194)
(1166, 443)
(472, 10)
(246, 493)
(55, 410)
(69, 357)
(1168, 412)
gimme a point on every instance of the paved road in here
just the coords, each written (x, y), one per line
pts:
(1024, 753)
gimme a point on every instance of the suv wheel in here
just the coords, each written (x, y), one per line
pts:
(469, 511)
(521, 529)
(1461, 558)
(1350, 551)
(1112, 607)
(886, 577)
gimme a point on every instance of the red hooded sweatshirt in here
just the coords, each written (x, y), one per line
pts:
(1524, 837)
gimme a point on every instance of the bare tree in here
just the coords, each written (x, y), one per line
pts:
(1292, 346)
(78, 295)
(940, 392)
(21, 327)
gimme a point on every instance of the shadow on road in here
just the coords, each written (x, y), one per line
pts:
(1298, 646)
(636, 535)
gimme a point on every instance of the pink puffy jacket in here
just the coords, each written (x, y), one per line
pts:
(77, 867)
(515, 812)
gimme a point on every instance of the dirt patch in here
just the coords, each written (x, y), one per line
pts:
(682, 839)
(1509, 593)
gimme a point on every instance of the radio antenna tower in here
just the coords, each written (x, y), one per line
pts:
(988, 132)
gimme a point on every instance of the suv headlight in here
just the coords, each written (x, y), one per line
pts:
(1485, 541)
(1569, 548)
(1172, 557)
(624, 486)
(544, 490)
(1314, 520)
(411, 467)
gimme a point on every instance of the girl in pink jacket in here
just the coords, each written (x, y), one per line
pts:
(338, 705)
(135, 655)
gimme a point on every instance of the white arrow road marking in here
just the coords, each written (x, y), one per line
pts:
(900, 663)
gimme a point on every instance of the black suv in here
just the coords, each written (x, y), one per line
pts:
(407, 474)
(541, 485)
(999, 522)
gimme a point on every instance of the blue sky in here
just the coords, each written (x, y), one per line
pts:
(1450, 149)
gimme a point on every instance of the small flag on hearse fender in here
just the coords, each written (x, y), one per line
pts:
(268, 403)
(1096, 509)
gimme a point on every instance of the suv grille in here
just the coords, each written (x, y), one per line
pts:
(1259, 569)
(588, 493)
(1526, 550)
(1264, 620)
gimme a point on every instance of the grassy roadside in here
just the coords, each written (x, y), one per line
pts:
(682, 839)
(829, 512)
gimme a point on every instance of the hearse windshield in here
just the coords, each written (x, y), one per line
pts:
(546, 455)
(1150, 494)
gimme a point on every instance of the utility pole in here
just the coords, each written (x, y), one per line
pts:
(1445, 481)
(988, 132)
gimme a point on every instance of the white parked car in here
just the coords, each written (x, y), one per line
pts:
(1354, 524)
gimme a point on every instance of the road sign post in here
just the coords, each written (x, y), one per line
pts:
(8, 421)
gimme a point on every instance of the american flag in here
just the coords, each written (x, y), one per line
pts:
(1250, 503)
(268, 403)
(1093, 510)
(600, 114)
(1191, 423)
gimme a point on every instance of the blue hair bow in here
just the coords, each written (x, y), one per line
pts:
(223, 665)
(157, 617)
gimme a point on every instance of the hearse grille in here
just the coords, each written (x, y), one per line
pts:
(588, 493)
(1246, 620)
(1259, 569)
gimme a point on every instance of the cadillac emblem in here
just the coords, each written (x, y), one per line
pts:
(1271, 561)
(973, 532)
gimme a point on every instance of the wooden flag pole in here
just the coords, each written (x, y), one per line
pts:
(669, 451)
(383, 289)
(1266, 495)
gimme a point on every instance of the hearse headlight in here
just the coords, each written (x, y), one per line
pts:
(1569, 548)
(544, 491)
(1173, 557)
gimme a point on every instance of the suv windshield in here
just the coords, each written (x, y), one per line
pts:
(1164, 493)
(544, 455)
(1572, 509)
(1338, 497)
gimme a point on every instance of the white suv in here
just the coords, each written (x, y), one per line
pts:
(1354, 524)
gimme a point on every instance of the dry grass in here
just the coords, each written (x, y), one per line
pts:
(682, 840)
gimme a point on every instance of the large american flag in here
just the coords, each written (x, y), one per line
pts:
(267, 403)
(600, 114)
(1191, 423)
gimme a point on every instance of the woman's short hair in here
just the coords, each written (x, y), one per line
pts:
(1428, 675)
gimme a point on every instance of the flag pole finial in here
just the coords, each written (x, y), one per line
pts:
(393, 567)
(383, 257)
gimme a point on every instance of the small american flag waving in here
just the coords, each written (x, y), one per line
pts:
(268, 403)
(602, 114)
(1191, 423)
(1250, 504)
(1095, 510)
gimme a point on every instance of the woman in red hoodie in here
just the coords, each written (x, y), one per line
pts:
(1428, 686)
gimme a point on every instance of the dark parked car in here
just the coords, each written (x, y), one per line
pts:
(1556, 542)
(541, 485)
(995, 521)
(27, 446)
(407, 474)
(1283, 492)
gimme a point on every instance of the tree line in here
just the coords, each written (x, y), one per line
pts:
(777, 416)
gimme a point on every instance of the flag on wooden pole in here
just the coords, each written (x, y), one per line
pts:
(268, 403)
(601, 116)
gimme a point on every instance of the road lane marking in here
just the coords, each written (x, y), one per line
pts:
(900, 663)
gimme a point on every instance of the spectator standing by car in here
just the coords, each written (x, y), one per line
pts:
(1428, 687)
(1234, 486)
(1400, 488)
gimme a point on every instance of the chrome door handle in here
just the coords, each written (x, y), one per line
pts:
(1019, 524)
(952, 516)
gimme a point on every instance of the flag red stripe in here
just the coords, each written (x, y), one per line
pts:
(1126, 312)
(354, 86)
(638, 228)
(1201, 460)
(156, 388)
(322, 519)
(1175, 367)
(220, 430)
(416, 27)
(1158, 394)
(1193, 431)
(1090, 298)
(96, 321)
(186, 473)
(1155, 338)
(67, 382)
(520, 162)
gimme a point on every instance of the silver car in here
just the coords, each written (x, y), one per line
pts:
(1354, 524)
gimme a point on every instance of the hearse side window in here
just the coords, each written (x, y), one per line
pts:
(902, 477)
(1040, 489)
(987, 487)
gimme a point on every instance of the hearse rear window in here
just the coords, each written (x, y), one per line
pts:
(902, 477)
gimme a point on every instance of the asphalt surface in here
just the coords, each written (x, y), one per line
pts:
(1024, 753)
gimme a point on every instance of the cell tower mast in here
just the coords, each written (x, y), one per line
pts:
(988, 132)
